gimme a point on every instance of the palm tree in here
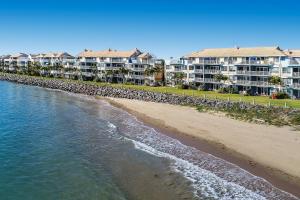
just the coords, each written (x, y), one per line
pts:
(221, 78)
(277, 81)
(149, 71)
(108, 75)
(178, 76)
(45, 70)
(123, 71)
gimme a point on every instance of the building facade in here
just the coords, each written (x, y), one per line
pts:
(116, 66)
(247, 69)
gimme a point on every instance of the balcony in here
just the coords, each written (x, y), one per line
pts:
(253, 73)
(137, 76)
(208, 62)
(255, 62)
(296, 86)
(137, 69)
(211, 80)
(117, 61)
(198, 70)
(294, 63)
(211, 71)
(87, 74)
(197, 79)
(253, 83)
(90, 60)
(296, 74)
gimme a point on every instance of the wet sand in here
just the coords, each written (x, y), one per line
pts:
(266, 151)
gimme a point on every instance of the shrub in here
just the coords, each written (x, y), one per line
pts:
(295, 119)
(281, 95)
(227, 90)
(182, 86)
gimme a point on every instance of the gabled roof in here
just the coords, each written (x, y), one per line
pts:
(239, 52)
(145, 55)
(18, 55)
(54, 55)
(4, 56)
(293, 53)
(110, 53)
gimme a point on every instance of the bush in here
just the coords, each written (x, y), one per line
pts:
(295, 119)
(281, 95)
(183, 86)
(227, 90)
(129, 83)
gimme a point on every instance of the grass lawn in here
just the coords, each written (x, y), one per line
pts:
(263, 100)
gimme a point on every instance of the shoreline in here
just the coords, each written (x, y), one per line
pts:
(276, 177)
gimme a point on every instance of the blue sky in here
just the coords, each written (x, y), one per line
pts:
(165, 28)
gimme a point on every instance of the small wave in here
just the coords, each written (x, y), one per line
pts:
(206, 183)
(211, 176)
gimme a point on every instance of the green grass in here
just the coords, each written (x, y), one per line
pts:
(262, 100)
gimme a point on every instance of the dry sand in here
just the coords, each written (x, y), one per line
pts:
(277, 148)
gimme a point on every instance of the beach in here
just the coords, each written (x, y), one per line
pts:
(266, 151)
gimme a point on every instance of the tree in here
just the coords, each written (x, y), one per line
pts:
(179, 76)
(276, 81)
(221, 77)
(108, 75)
(149, 71)
(123, 71)
(45, 70)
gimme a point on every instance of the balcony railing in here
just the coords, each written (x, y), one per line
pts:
(138, 69)
(208, 62)
(198, 70)
(254, 62)
(211, 71)
(137, 76)
(296, 74)
(254, 83)
(90, 60)
(87, 74)
(197, 79)
(296, 85)
(253, 73)
(211, 80)
(294, 62)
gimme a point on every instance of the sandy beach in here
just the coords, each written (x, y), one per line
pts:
(267, 151)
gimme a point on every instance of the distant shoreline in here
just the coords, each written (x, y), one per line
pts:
(205, 142)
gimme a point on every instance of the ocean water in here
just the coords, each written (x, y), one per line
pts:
(56, 145)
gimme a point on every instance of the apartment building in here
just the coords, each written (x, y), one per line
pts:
(59, 63)
(4, 62)
(17, 62)
(291, 74)
(176, 71)
(247, 69)
(115, 66)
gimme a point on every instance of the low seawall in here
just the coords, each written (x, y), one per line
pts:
(108, 91)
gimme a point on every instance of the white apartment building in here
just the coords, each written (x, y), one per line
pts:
(17, 62)
(115, 66)
(4, 61)
(247, 69)
(174, 66)
(59, 63)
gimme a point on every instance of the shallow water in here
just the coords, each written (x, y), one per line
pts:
(55, 145)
